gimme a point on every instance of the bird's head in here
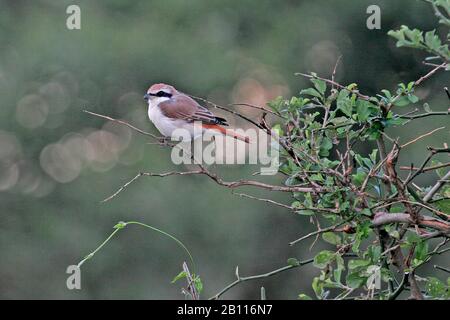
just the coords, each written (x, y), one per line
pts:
(160, 92)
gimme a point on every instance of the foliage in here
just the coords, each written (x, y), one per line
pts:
(382, 227)
(355, 192)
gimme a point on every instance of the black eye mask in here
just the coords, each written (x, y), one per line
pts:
(161, 94)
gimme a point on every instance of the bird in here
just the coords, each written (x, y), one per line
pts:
(170, 109)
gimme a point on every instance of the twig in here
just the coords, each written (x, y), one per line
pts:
(149, 174)
(442, 268)
(334, 71)
(191, 288)
(400, 287)
(382, 218)
(420, 204)
(432, 152)
(331, 228)
(218, 180)
(338, 85)
(125, 124)
(431, 168)
(421, 136)
(436, 187)
(244, 195)
(443, 250)
(227, 110)
(263, 293)
(416, 83)
(123, 187)
(424, 115)
(429, 74)
(259, 276)
(257, 107)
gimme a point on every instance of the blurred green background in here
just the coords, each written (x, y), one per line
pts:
(57, 163)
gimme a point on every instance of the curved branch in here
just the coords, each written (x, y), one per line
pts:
(259, 276)
(436, 187)
(382, 218)
(220, 181)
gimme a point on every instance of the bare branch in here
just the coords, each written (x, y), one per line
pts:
(334, 70)
(228, 110)
(437, 187)
(416, 83)
(442, 268)
(259, 276)
(382, 218)
(257, 107)
(338, 85)
(421, 137)
(431, 168)
(424, 115)
(244, 195)
(149, 174)
(320, 231)
(429, 74)
(220, 181)
(125, 124)
(191, 288)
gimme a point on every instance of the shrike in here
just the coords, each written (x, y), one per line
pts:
(170, 110)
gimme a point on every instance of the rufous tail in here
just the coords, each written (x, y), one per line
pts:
(227, 132)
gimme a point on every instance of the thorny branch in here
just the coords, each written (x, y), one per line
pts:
(391, 189)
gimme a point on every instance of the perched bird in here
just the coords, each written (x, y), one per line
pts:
(170, 109)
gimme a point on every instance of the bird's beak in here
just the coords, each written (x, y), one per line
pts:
(146, 97)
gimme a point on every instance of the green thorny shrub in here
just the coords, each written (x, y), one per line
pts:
(384, 228)
(381, 224)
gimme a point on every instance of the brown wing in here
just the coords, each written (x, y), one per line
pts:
(186, 108)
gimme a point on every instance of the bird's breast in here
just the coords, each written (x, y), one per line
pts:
(165, 125)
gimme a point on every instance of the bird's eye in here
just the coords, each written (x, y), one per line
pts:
(163, 94)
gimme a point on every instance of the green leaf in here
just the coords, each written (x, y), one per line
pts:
(397, 34)
(432, 40)
(332, 238)
(363, 110)
(320, 85)
(402, 101)
(359, 177)
(296, 204)
(337, 273)
(303, 296)
(198, 284)
(325, 146)
(412, 98)
(323, 258)
(317, 287)
(305, 212)
(120, 225)
(436, 289)
(344, 103)
(441, 172)
(311, 92)
(276, 104)
(443, 205)
(355, 280)
(181, 275)
(387, 93)
(278, 130)
(421, 251)
(373, 155)
(346, 107)
(373, 253)
(353, 264)
(340, 267)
